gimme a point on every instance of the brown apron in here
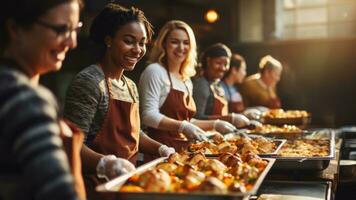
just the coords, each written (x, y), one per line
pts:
(274, 103)
(72, 146)
(236, 107)
(180, 106)
(119, 135)
(220, 105)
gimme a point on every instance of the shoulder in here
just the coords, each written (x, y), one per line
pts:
(155, 69)
(92, 73)
(201, 82)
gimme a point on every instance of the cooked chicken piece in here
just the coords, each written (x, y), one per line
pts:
(218, 138)
(265, 145)
(166, 166)
(156, 180)
(193, 179)
(181, 157)
(248, 156)
(228, 149)
(215, 166)
(248, 147)
(230, 160)
(194, 159)
(183, 170)
(212, 184)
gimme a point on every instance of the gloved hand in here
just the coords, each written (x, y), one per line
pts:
(223, 127)
(110, 167)
(191, 131)
(252, 113)
(165, 151)
(239, 120)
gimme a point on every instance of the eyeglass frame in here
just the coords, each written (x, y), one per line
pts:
(61, 30)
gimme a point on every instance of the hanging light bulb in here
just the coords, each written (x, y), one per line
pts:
(211, 16)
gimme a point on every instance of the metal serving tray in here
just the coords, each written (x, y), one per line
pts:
(112, 187)
(308, 163)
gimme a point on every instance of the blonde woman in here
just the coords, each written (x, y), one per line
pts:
(165, 88)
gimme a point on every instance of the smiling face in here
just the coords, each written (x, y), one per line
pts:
(177, 46)
(40, 48)
(217, 67)
(128, 45)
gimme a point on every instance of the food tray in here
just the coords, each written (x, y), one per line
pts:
(297, 121)
(278, 142)
(112, 187)
(308, 163)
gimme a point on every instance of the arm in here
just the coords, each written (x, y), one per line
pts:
(201, 93)
(151, 86)
(82, 100)
(148, 145)
(31, 129)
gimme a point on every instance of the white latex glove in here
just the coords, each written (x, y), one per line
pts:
(110, 167)
(252, 113)
(165, 151)
(192, 131)
(239, 120)
(223, 126)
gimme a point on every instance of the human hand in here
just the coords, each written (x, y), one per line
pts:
(165, 151)
(223, 127)
(192, 131)
(252, 113)
(239, 120)
(110, 167)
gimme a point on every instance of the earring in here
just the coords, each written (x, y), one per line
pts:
(108, 45)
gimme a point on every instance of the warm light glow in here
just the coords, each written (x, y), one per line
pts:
(211, 16)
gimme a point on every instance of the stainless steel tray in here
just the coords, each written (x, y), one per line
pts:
(308, 163)
(114, 185)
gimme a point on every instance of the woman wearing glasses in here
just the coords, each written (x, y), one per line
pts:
(104, 102)
(34, 39)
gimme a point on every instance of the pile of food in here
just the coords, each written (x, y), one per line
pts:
(305, 148)
(241, 145)
(286, 130)
(196, 173)
(281, 117)
(280, 113)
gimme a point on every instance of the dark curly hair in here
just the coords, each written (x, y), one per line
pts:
(215, 50)
(24, 13)
(112, 18)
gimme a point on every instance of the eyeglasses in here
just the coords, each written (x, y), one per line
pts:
(61, 30)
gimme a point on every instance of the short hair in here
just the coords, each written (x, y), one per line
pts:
(158, 52)
(24, 13)
(269, 63)
(215, 50)
(112, 18)
(235, 62)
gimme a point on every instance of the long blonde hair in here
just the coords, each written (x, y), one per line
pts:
(158, 52)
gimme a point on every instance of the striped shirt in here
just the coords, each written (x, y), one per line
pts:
(33, 163)
(87, 99)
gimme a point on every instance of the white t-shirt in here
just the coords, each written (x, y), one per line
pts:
(154, 87)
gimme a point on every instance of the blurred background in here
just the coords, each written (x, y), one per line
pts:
(314, 39)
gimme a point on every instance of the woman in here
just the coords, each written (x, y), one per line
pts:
(35, 37)
(167, 106)
(208, 93)
(104, 102)
(260, 89)
(235, 75)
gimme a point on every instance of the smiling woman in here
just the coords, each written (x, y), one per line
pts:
(104, 102)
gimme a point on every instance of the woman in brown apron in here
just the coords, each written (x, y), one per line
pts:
(235, 75)
(208, 93)
(260, 89)
(167, 106)
(34, 38)
(101, 96)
